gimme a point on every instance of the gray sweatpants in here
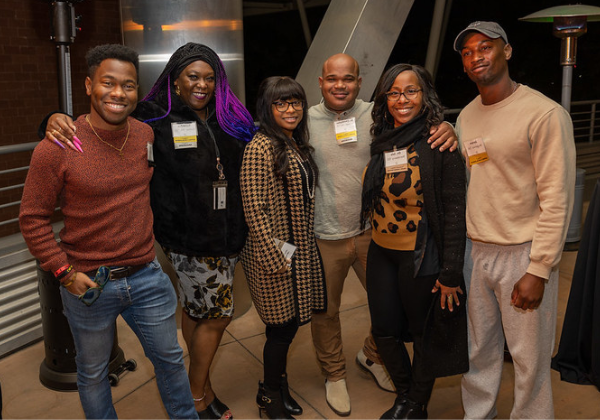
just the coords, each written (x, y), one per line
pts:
(490, 274)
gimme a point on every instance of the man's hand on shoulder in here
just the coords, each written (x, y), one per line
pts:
(528, 292)
(443, 136)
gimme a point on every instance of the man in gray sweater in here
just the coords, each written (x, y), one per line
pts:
(340, 133)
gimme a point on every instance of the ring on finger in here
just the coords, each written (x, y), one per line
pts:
(53, 132)
(450, 298)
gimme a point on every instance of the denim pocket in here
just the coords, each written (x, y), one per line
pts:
(154, 264)
(72, 294)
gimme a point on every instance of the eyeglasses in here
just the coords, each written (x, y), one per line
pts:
(408, 94)
(93, 293)
(283, 106)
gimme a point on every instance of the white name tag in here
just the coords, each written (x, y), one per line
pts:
(150, 152)
(185, 134)
(396, 161)
(476, 151)
(286, 248)
(219, 195)
(345, 131)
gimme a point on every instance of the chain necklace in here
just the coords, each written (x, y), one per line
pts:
(310, 186)
(120, 150)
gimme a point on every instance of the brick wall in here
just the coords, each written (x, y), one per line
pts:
(29, 77)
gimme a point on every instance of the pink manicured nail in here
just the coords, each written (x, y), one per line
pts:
(59, 143)
(76, 140)
(78, 147)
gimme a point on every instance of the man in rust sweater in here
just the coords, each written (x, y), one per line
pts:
(105, 259)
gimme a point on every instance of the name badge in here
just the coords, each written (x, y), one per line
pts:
(150, 152)
(219, 195)
(185, 134)
(476, 151)
(396, 161)
(286, 248)
(345, 131)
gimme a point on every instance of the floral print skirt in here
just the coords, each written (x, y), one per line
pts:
(205, 284)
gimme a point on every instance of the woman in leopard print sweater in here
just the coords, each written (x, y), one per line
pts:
(415, 199)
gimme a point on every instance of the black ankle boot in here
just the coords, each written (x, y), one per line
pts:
(289, 402)
(271, 403)
(414, 410)
(397, 409)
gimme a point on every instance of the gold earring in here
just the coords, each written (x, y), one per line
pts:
(177, 91)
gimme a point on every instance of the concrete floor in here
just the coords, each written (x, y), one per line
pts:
(238, 367)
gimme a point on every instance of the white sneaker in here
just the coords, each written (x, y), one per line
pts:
(378, 372)
(337, 397)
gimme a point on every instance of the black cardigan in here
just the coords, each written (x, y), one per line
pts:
(443, 177)
(182, 186)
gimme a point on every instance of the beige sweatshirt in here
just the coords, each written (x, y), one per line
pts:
(524, 191)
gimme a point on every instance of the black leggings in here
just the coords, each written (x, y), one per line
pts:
(398, 303)
(275, 352)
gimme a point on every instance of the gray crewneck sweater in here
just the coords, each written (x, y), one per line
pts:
(338, 195)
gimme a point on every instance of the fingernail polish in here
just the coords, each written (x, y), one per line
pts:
(59, 143)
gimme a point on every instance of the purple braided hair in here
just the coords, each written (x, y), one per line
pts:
(232, 115)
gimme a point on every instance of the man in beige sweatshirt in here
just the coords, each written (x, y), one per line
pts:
(520, 154)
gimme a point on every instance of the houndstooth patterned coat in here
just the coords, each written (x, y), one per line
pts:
(274, 208)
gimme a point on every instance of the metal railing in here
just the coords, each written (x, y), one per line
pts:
(585, 116)
(6, 150)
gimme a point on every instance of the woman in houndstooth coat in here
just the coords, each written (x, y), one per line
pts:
(278, 181)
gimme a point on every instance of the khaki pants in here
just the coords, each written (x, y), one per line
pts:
(338, 256)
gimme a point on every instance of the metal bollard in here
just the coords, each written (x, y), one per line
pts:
(574, 232)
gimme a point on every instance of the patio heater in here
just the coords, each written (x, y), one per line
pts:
(569, 23)
(64, 30)
(58, 370)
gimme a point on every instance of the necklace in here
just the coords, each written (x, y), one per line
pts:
(120, 150)
(310, 186)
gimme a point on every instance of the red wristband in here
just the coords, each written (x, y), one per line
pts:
(63, 271)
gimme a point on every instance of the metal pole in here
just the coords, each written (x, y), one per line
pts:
(63, 25)
(567, 85)
(434, 36)
(592, 122)
(305, 27)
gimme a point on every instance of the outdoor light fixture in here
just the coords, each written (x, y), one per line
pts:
(569, 23)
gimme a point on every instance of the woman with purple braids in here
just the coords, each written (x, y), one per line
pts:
(201, 130)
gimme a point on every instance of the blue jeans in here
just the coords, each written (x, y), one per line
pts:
(147, 302)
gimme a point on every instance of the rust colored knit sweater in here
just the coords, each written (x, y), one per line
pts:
(105, 200)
